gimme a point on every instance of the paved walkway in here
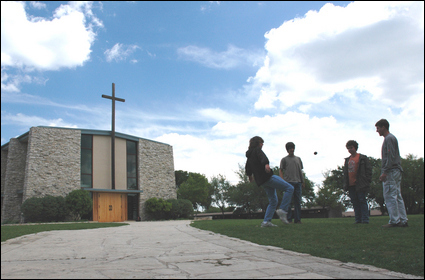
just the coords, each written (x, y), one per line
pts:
(171, 249)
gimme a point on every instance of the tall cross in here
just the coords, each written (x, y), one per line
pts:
(113, 132)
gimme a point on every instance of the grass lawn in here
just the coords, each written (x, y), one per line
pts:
(8, 232)
(395, 249)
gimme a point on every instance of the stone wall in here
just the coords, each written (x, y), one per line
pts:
(13, 174)
(156, 172)
(53, 162)
(4, 154)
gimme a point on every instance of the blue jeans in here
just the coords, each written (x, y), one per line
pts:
(393, 199)
(296, 199)
(273, 184)
(361, 208)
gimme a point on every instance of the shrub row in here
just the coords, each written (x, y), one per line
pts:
(57, 208)
(170, 209)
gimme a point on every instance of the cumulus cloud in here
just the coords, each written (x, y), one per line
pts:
(327, 77)
(38, 5)
(120, 52)
(223, 148)
(231, 58)
(33, 43)
(366, 46)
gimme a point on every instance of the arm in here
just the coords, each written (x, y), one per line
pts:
(390, 150)
(368, 170)
(281, 173)
(248, 171)
(264, 161)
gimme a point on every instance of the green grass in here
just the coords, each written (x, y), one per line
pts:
(395, 249)
(8, 232)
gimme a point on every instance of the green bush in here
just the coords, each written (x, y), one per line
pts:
(32, 209)
(54, 209)
(157, 208)
(180, 209)
(44, 209)
(78, 203)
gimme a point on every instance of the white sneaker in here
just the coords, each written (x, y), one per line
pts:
(282, 216)
(268, 224)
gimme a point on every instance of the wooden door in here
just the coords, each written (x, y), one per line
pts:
(109, 207)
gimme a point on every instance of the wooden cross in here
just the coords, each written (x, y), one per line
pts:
(113, 132)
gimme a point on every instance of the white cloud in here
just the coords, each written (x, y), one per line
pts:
(120, 52)
(367, 46)
(37, 5)
(221, 150)
(231, 58)
(33, 43)
(209, 5)
(64, 41)
(29, 121)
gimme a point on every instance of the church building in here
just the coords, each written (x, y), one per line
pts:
(55, 161)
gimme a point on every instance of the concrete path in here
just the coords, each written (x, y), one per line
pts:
(171, 249)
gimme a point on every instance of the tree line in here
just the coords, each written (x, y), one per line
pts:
(217, 194)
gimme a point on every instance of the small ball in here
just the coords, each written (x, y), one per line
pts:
(315, 153)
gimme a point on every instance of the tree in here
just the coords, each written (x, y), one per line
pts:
(181, 177)
(308, 193)
(195, 189)
(220, 188)
(412, 184)
(246, 195)
(331, 193)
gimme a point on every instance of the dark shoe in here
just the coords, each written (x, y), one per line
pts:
(365, 222)
(402, 224)
(299, 222)
(390, 225)
(357, 223)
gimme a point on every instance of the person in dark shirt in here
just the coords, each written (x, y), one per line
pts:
(257, 168)
(357, 179)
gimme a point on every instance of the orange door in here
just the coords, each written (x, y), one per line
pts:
(110, 207)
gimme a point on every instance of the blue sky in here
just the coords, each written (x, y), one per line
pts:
(205, 77)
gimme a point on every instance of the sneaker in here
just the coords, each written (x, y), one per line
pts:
(268, 224)
(390, 225)
(400, 224)
(299, 222)
(282, 216)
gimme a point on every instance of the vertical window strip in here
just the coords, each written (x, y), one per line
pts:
(86, 161)
(132, 165)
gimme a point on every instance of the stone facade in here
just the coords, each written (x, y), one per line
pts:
(53, 162)
(156, 172)
(12, 183)
(48, 162)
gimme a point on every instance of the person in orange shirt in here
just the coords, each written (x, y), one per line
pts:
(357, 179)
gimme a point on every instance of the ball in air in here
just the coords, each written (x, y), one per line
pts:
(315, 153)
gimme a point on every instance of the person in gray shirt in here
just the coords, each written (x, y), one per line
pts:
(391, 173)
(291, 168)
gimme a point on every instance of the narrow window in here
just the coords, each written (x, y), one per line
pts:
(132, 165)
(86, 161)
